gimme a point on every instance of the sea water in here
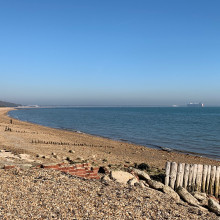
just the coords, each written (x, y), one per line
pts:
(192, 130)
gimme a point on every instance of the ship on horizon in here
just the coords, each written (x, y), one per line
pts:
(193, 104)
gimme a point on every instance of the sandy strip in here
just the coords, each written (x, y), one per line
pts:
(56, 145)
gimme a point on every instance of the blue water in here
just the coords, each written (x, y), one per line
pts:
(184, 129)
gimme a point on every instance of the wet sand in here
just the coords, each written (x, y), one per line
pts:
(36, 141)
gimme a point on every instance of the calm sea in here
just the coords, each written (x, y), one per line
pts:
(195, 130)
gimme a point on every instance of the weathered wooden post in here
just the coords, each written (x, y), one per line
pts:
(186, 175)
(217, 176)
(195, 167)
(208, 179)
(204, 177)
(179, 175)
(182, 174)
(199, 177)
(173, 174)
(167, 172)
(212, 180)
(190, 177)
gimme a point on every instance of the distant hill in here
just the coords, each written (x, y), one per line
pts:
(8, 104)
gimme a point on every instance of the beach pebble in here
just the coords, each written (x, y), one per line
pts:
(141, 174)
(214, 206)
(121, 176)
(132, 181)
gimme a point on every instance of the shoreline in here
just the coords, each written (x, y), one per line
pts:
(95, 149)
(152, 146)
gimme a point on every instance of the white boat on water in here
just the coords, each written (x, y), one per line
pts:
(192, 104)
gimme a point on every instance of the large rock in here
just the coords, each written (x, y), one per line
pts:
(142, 174)
(155, 185)
(214, 206)
(168, 190)
(202, 197)
(186, 196)
(121, 176)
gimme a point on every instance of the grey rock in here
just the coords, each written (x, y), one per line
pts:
(142, 174)
(200, 196)
(25, 166)
(155, 185)
(186, 196)
(214, 206)
(168, 190)
(132, 181)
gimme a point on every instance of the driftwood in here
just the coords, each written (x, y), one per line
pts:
(193, 177)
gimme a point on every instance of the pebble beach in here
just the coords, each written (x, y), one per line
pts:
(29, 192)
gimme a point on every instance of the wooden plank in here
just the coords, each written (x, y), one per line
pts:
(173, 172)
(186, 175)
(195, 167)
(179, 174)
(217, 176)
(190, 177)
(212, 180)
(199, 177)
(167, 172)
(182, 174)
(204, 177)
(208, 179)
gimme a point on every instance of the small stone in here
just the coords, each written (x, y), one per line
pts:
(214, 206)
(25, 166)
(105, 178)
(132, 181)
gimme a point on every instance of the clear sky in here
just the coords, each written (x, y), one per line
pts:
(115, 52)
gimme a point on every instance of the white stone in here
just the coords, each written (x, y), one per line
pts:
(121, 176)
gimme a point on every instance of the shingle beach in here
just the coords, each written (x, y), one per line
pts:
(30, 192)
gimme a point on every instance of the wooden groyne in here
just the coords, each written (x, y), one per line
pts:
(193, 177)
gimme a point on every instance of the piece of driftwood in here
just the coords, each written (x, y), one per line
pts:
(193, 177)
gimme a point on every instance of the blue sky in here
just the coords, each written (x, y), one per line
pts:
(95, 52)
